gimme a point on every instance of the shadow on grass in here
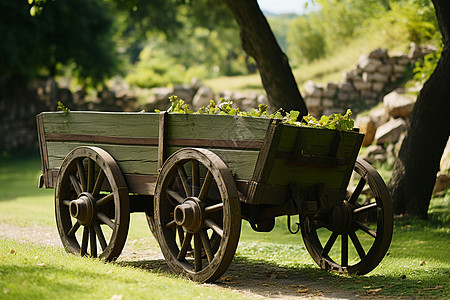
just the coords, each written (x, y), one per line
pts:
(266, 278)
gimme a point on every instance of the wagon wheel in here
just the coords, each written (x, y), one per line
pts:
(354, 237)
(92, 204)
(197, 214)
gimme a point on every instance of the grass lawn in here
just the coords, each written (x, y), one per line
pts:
(417, 264)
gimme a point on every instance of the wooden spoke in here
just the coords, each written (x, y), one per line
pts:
(206, 245)
(216, 228)
(104, 200)
(82, 174)
(211, 226)
(184, 181)
(100, 236)
(206, 185)
(105, 219)
(85, 170)
(214, 208)
(357, 245)
(353, 214)
(175, 196)
(98, 183)
(93, 241)
(84, 241)
(195, 177)
(197, 253)
(91, 171)
(365, 208)
(171, 224)
(366, 229)
(344, 250)
(357, 191)
(180, 231)
(74, 229)
(185, 246)
(329, 244)
(75, 184)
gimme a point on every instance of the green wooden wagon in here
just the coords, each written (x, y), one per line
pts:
(197, 176)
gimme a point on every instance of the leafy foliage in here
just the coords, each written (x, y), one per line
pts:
(424, 69)
(74, 33)
(62, 107)
(224, 107)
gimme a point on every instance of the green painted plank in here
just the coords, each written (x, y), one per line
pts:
(221, 127)
(305, 176)
(102, 123)
(131, 159)
(315, 141)
(143, 159)
(241, 163)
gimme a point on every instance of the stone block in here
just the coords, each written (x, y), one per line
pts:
(366, 126)
(398, 105)
(369, 95)
(329, 93)
(385, 69)
(369, 64)
(344, 96)
(378, 87)
(346, 87)
(313, 101)
(390, 132)
(327, 102)
(362, 86)
(313, 89)
(202, 97)
(379, 53)
(399, 68)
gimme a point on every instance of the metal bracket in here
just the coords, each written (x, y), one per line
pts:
(289, 225)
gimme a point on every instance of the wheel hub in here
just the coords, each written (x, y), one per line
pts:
(341, 218)
(189, 215)
(83, 208)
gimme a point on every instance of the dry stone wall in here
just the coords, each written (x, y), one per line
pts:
(375, 75)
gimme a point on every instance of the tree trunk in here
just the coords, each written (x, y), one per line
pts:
(415, 168)
(259, 42)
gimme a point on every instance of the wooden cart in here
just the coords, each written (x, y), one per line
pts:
(197, 176)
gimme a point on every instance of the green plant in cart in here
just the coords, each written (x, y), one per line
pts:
(225, 107)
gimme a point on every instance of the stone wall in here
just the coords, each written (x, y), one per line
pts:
(375, 75)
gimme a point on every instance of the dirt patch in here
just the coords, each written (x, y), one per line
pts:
(256, 280)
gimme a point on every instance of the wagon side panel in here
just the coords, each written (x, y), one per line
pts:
(131, 138)
(308, 164)
(236, 140)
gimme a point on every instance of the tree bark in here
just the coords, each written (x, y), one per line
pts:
(259, 42)
(418, 160)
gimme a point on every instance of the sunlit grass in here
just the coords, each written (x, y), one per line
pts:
(417, 263)
(37, 272)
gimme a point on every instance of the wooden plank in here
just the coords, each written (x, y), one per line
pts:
(162, 140)
(117, 140)
(283, 174)
(43, 150)
(131, 159)
(241, 163)
(221, 127)
(263, 165)
(102, 123)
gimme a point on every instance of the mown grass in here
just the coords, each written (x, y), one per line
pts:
(417, 264)
(37, 272)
